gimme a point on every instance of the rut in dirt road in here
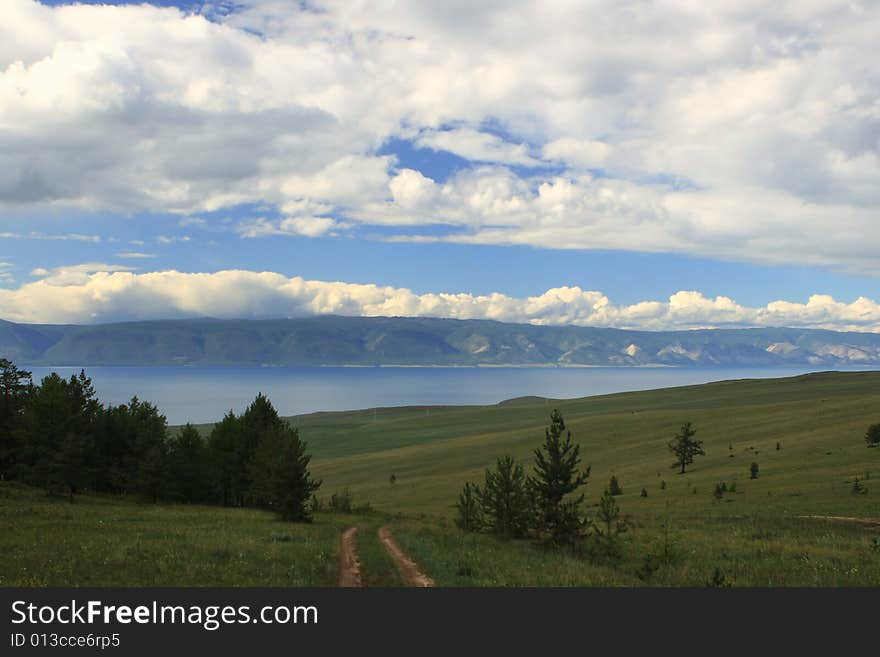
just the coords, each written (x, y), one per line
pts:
(871, 522)
(349, 566)
(412, 576)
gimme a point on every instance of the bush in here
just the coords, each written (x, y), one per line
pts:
(342, 502)
(470, 517)
(607, 528)
(872, 435)
(644, 492)
(614, 486)
(858, 488)
(753, 470)
(719, 580)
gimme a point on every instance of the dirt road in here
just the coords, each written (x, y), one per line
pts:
(873, 522)
(407, 567)
(349, 566)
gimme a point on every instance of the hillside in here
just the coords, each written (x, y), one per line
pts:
(372, 341)
(819, 421)
(798, 524)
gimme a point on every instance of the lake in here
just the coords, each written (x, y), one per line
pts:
(204, 394)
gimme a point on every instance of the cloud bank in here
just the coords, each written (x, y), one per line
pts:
(95, 292)
(734, 130)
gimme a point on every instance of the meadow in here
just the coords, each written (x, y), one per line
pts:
(791, 526)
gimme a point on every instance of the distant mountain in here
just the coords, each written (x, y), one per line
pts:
(331, 340)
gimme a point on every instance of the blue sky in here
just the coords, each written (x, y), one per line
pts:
(720, 169)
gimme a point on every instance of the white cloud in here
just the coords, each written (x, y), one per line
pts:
(35, 235)
(306, 226)
(95, 292)
(740, 130)
(135, 255)
(172, 239)
(477, 146)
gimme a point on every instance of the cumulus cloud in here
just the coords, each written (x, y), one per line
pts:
(95, 292)
(740, 130)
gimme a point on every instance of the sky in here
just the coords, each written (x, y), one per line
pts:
(649, 165)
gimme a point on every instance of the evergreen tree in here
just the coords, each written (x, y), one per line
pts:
(258, 420)
(685, 447)
(150, 449)
(608, 526)
(468, 507)
(753, 470)
(222, 449)
(614, 486)
(189, 473)
(504, 501)
(16, 388)
(556, 480)
(279, 472)
(872, 435)
(57, 433)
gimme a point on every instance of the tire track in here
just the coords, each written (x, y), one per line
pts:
(349, 566)
(410, 572)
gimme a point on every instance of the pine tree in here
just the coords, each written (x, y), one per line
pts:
(753, 470)
(189, 473)
(57, 433)
(222, 449)
(556, 480)
(614, 486)
(608, 526)
(685, 447)
(16, 388)
(280, 475)
(504, 500)
(468, 507)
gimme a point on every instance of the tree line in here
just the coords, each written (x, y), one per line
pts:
(58, 436)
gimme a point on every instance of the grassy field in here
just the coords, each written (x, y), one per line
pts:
(758, 535)
(100, 541)
(819, 421)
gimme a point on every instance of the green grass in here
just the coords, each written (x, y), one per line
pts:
(753, 537)
(819, 420)
(99, 541)
(756, 550)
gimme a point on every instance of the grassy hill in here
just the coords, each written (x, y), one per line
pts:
(818, 419)
(798, 523)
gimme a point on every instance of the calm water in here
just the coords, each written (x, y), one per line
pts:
(204, 394)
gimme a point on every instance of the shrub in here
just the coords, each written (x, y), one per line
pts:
(644, 492)
(872, 435)
(753, 470)
(614, 486)
(342, 502)
(719, 580)
(468, 506)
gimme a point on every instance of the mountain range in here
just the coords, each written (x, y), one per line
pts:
(373, 341)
